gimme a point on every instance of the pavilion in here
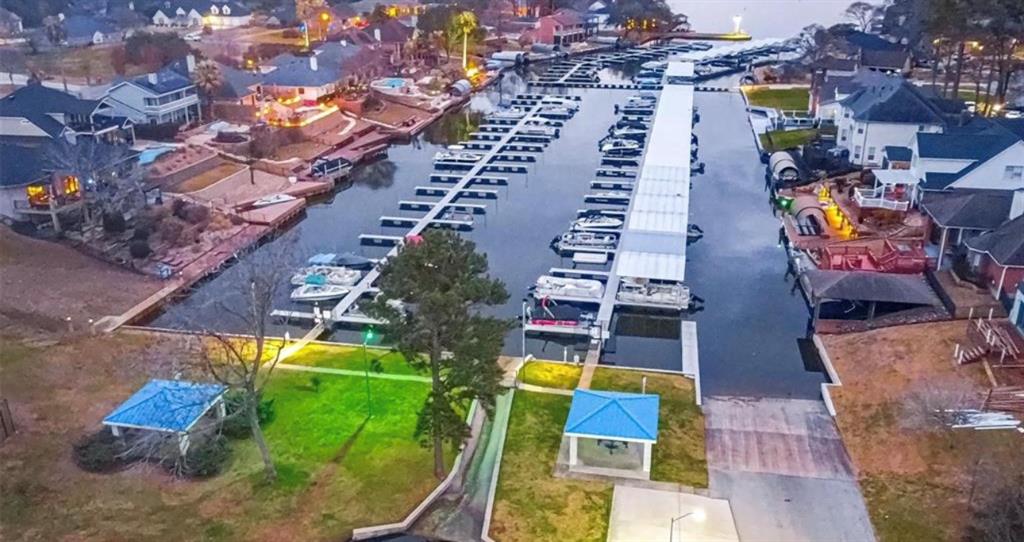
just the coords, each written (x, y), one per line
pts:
(168, 406)
(602, 425)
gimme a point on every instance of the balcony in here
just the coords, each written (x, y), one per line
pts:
(186, 101)
(874, 198)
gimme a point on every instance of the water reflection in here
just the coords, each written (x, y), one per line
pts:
(375, 175)
(453, 128)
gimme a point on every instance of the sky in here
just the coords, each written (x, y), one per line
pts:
(761, 18)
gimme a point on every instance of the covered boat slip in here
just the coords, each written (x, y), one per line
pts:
(652, 246)
(878, 295)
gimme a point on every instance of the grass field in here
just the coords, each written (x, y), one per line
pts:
(551, 374)
(208, 178)
(779, 140)
(787, 99)
(380, 360)
(531, 504)
(336, 470)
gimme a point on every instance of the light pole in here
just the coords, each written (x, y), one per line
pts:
(368, 335)
(698, 516)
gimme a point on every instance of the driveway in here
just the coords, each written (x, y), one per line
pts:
(783, 467)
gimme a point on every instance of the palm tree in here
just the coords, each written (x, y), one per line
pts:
(463, 25)
(208, 78)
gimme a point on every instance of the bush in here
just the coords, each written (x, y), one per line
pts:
(178, 208)
(229, 137)
(142, 232)
(100, 452)
(195, 214)
(139, 249)
(207, 458)
(170, 230)
(236, 425)
(114, 222)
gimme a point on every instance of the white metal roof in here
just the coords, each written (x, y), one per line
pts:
(895, 176)
(651, 265)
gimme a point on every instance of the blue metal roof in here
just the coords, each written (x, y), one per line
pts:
(614, 415)
(166, 405)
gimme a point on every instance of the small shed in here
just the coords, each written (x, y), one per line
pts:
(168, 406)
(609, 422)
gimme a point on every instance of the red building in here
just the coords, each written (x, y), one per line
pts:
(563, 27)
(998, 257)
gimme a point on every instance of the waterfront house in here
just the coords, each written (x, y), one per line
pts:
(10, 24)
(885, 111)
(960, 215)
(31, 190)
(985, 155)
(35, 113)
(997, 257)
(390, 35)
(308, 78)
(562, 28)
(897, 157)
(165, 96)
(197, 13)
(84, 30)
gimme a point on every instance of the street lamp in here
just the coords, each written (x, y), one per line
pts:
(368, 335)
(736, 20)
(698, 515)
(325, 20)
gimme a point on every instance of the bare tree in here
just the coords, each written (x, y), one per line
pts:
(862, 14)
(932, 407)
(238, 352)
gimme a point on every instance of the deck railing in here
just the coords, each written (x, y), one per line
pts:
(870, 198)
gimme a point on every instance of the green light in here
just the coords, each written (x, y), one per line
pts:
(368, 335)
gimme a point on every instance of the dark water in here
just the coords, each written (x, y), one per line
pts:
(749, 330)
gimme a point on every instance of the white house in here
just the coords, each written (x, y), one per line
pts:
(168, 95)
(992, 158)
(885, 111)
(212, 13)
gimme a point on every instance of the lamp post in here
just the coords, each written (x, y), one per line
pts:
(698, 516)
(325, 21)
(368, 335)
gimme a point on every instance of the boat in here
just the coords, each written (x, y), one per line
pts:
(640, 101)
(597, 222)
(572, 240)
(272, 199)
(532, 130)
(325, 274)
(627, 132)
(567, 103)
(693, 232)
(615, 145)
(310, 293)
(669, 295)
(457, 156)
(507, 114)
(610, 194)
(654, 65)
(330, 167)
(555, 111)
(556, 287)
(638, 124)
(540, 121)
(623, 152)
(346, 259)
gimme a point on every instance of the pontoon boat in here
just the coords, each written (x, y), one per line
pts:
(556, 287)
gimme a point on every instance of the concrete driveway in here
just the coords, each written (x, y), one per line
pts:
(649, 513)
(783, 467)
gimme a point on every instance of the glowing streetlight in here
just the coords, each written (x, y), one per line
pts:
(368, 335)
(736, 20)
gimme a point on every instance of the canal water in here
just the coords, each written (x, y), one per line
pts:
(749, 329)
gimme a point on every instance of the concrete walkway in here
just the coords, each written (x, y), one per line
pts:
(783, 467)
(348, 372)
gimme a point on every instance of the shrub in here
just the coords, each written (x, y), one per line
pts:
(196, 214)
(170, 230)
(229, 137)
(139, 249)
(141, 232)
(100, 452)
(236, 425)
(114, 222)
(178, 208)
(207, 458)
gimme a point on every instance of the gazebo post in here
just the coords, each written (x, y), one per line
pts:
(573, 450)
(183, 442)
(115, 430)
(647, 457)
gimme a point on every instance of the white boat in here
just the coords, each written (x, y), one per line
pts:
(617, 145)
(272, 199)
(610, 194)
(549, 131)
(508, 114)
(627, 132)
(584, 239)
(597, 222)
(540, 121)
(457, 156)
(640, 100)
(325, 274)
(669, 295)
(654, 65)
(318, 292)
(555, 111)
(555, 287)
(567, 103)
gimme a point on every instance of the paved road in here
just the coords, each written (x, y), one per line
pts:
(783, 467)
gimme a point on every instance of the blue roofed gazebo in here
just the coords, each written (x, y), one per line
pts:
(610, 421)
(168, 406)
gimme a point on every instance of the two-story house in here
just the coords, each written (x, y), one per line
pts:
(885, 111)
(212, 13)
(562, 28)
(165, 96)
(34, 113)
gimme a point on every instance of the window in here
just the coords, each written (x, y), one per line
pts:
(151, 101)
(842, 137)
(215, 10)
(871, 153)
(860, 129)
(856, 152)
(1014, 173)
(225, 10)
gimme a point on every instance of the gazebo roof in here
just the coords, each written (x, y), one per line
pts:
(614, 415)
(166, 405)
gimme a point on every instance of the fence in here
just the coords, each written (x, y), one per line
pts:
(6, 421)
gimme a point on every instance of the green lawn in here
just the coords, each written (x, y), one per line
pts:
(779, 140)
(679, 453)
(551, 374)
(531, 504)
(788, 99)
(351, 357)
